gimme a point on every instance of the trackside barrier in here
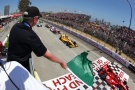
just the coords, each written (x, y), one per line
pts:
(33, 71)
(5, 40)
(37, 76)
(99, 46)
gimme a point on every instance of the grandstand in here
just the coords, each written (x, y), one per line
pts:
(120, 39)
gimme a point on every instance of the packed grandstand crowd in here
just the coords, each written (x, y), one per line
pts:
(120, 37)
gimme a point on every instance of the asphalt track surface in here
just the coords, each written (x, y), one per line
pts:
(48, 70)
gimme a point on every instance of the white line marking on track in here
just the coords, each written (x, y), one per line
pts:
(87, 48)
(74, 52)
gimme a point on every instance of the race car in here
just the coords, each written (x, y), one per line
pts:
(54, 30)
(40, 21)
(107, 74)
(48, 26)
(66, 40)
(39, 25)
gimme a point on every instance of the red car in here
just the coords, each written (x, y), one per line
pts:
(48, 26)
(54, 30)
(0, 26)
(112, 78)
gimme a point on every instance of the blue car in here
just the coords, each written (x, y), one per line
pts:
(39, 25)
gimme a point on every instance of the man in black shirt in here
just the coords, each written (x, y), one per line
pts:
(23, 40)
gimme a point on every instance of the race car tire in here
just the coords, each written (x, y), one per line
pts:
(74, 42)
(110, 69)
(119, 87)
(59, 32)
(125, 82)
(100, 70)
(103, 76)
(67, 43)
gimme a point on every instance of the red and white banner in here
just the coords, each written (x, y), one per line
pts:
(66, 82)
(70, 82)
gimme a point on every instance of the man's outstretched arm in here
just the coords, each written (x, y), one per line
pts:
(53, 58)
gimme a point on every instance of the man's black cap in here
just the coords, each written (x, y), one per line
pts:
(32, 11)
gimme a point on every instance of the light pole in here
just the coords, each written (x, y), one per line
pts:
(130, 13)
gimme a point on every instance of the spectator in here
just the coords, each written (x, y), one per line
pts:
(113, 35)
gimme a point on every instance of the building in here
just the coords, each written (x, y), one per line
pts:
(6, 10)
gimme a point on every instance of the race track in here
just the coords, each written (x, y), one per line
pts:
(48, 70)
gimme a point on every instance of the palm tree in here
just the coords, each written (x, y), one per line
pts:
(23, 5)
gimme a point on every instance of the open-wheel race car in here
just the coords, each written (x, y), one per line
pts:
(54, 30)
(39, 25)
(40, 21)
(66, 40)
(112, 79)
(48, 26)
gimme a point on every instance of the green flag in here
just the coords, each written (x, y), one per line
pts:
(82, 68)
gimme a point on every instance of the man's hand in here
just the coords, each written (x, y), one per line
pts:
(53, 58)
(63, 65)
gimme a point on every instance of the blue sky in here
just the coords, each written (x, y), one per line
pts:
(114, 11)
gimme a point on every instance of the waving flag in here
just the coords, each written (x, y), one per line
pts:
(82, 68)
